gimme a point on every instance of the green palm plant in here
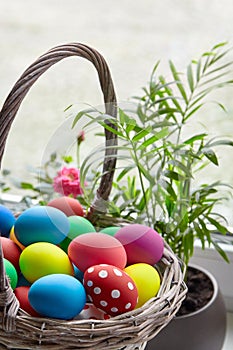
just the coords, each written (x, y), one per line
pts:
(155, 181)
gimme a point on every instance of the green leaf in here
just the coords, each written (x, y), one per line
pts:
(141, 134)
(194, 110)
(198, 72)
(169, 202)
(159, 135)
(209, 153)
(220, 251)
(221, 143)
(81, 114)
(181, 167)
(67, 159)
(217, 46)
(146, 174)
(190, 77)
(199, 234)
(173, 175)
(124, 172)
(170, 93)
(188, 244)
(179, 83)
(66, 109)
(26, 186)
(194, 138)
(140, 113)
(205, 230)
(222, 229)
(111, 129)
(6, 172)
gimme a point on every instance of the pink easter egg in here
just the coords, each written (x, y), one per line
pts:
(142, 244)
(68, 205)
(96, 248)
(110, 289)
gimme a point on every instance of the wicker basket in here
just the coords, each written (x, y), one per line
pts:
(129, 331)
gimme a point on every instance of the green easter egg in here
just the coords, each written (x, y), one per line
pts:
(78, 226)
(111, 230)
(11, 273)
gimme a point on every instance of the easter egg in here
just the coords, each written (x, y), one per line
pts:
(110, 289)
(78, 274)
(111, 230)
(21, 294)
(68, 205)
(41, 224)
(11, 251)
(14, 239)
(42, 258)
(7, 220)
(78, 225)
(91, 312)
(141, 243)
(11, 273)
(96, 248)
(146, 279)
(22, 282)
(57, 296)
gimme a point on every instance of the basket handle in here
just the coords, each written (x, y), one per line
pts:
(28, 78)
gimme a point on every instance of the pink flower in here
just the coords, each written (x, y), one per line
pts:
(67, 182)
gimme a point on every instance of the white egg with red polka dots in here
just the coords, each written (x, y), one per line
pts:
(110, 289)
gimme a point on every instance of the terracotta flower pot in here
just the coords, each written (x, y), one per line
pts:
(201, 330)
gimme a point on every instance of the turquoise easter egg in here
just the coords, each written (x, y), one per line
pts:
(41, 224)
(7, 221)
(57, 296)
(78, 226)
(111, 230)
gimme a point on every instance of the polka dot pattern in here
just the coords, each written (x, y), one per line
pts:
(103, 274)
(111, 289)
(115, 293)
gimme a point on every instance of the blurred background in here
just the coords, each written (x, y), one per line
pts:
(131, 34)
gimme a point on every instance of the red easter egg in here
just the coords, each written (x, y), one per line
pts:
(142, 244)
(110, 289)
(11, 251)
(96, 248)
(21, 294)
(69, 206)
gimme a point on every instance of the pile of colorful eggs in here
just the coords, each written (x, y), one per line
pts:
(60, 267)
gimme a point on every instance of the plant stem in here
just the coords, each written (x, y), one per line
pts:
(141, 181)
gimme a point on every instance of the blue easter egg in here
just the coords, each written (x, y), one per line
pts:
(78, 273)
(41, 224)
(57, 296)
(7, 221)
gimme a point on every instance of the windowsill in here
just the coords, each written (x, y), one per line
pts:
(222, 271)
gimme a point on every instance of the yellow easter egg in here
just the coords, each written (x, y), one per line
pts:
(147, 281)
(43, 258)
(14, 239)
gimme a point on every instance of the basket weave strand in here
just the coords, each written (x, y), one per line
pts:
(129, 331)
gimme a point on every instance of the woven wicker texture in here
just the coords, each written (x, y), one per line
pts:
(129, 331)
